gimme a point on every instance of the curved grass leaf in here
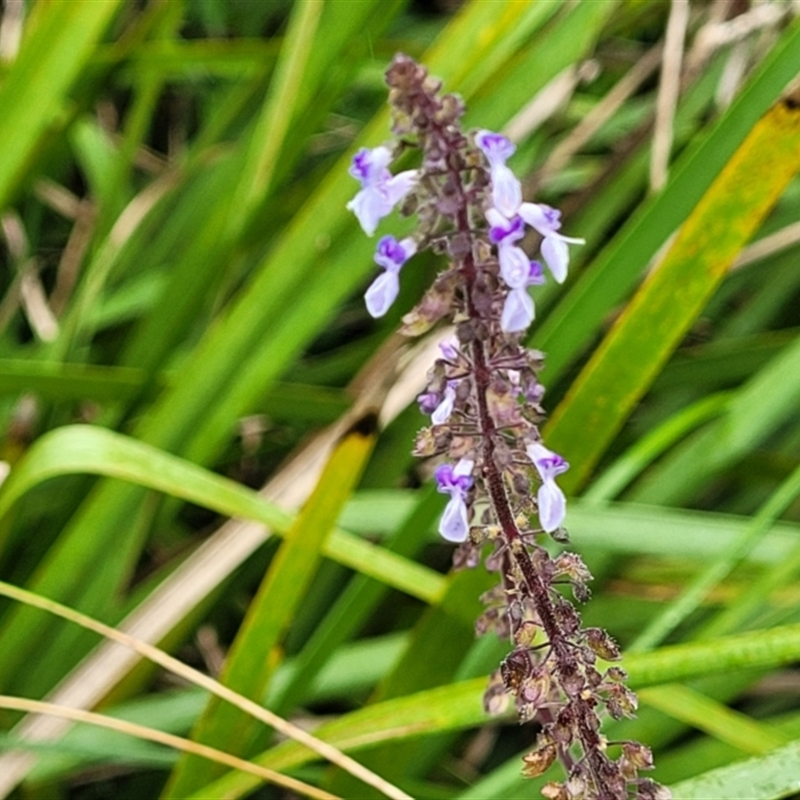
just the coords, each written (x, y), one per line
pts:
(251, 662)
(81, 449)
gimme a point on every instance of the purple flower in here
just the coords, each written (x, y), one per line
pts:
(455, 481)
(552, 503)
(428, 401)
(547, 221)
(506, 189)
(391, 255)
(518, 310)
(449, 348)
(380, 191)
(514, 262)
(443, 411)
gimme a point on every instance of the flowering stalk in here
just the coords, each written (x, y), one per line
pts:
(483, 398)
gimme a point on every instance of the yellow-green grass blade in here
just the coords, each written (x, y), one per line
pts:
(254, 654)
(652, 325)
(573, 324)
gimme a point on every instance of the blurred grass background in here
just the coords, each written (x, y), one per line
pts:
(183, 347)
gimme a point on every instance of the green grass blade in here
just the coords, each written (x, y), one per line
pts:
(84, 449)
(250, 662)
(61, 39)
(569, 329)
(697, 589)
(714, 718)
(769, 777)
(630, 357)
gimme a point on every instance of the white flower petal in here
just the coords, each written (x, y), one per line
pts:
(453, 525)
(445, 408)
(400, 185)
(506, 190)
(556, 254)
(552, 506)
(518, 311)
(535, 215)
(369, 206)
(463, 467)
(382, 293)
(515, 266)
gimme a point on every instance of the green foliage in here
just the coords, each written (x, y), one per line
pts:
(181, 321)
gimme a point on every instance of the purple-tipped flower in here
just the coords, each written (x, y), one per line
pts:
(443, 411)
(547, 221)
(518, 309)
(455, 481)
(380, 190)
(514, 262)
(391, 255)
(552, 503)
(506, 188)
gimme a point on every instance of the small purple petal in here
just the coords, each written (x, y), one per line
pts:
(428, 401)
(536, 274)
(371, 166)
(548, 463)
(502, 229)
(391, 254)
(543, 218)
(454, 480)
(449, 348)
(518, 311)
(382, 293)
(496, 147)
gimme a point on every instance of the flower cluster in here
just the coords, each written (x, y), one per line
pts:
(483, 399)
